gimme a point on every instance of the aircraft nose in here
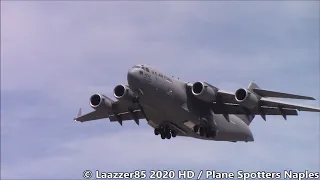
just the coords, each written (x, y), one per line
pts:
(133, 75)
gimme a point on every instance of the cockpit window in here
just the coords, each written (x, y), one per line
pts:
(143, 68)
(147, 69)
(141, 72)
(136, 66)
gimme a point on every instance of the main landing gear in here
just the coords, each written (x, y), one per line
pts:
(165, 132)
(205, 131)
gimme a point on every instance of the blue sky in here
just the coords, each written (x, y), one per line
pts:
(55, 55)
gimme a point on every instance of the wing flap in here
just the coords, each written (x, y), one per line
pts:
(125, 116)
(268, 93)
(237, 109)
(276, 111)
(279, 104)
(99, 114)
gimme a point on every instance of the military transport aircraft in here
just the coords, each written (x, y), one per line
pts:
(199, 110)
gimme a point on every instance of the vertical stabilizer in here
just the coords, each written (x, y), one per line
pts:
(252, 86)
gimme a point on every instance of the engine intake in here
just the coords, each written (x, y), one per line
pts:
(246, 98)
(204, 91)
(123, 92)
(98, 101)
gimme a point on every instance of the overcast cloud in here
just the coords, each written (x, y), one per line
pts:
(55, 55)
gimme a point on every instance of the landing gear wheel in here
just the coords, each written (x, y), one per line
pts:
(156, 131)
(201, 129)
(161, 130)
(168, 135)
(213, 133)
(173, 133)
(163, 136)
(196, 128)
(208, 134)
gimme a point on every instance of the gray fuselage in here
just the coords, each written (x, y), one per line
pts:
(168, 100)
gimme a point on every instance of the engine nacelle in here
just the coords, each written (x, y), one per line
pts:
(246, 98)
(204, 91)
(98, 101)
(123, 92)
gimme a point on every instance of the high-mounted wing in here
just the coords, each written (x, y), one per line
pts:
(252, 101)
(236, 109)
(279, 104)
(227, 97)
(268, 93)
(94, 115)
(121, 111)
(263, 110)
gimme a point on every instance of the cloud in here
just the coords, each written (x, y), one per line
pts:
(56, 54)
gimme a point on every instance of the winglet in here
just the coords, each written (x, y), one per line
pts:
(253, 85)
(80, 112)
(78, 115)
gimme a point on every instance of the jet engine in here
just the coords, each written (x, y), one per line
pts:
(204, 91)
(246, 98)
(98, 101)
(123, 92)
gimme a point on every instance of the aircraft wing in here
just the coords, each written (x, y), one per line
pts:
(226, 97)
(229, 98)
(276, 103)
(121, 111)
(275, 94)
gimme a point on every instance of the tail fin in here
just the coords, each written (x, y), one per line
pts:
(252, 86)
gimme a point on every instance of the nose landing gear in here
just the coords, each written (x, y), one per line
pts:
(165, 132)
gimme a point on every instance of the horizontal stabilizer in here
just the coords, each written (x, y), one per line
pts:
(268, 93)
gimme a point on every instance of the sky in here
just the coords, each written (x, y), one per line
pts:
(55, 55)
